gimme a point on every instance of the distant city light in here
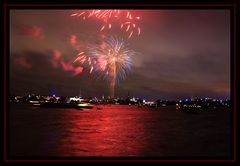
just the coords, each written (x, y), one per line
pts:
(76, 99)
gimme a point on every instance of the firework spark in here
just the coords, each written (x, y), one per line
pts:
(122, 18)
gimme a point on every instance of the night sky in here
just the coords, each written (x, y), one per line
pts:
(179, 54)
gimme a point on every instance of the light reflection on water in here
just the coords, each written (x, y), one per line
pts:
(109, 134)
(117, 130)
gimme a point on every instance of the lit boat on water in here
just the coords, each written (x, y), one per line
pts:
(64, 105)
(85, 105)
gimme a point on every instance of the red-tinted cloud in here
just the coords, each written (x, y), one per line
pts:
(23, 62)
(56, 61)
(78, 70)
(73, 40)
(56, 56)
(70, 67)
(66, 67)
(32, 31)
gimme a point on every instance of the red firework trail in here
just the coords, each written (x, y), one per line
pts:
(122, 18)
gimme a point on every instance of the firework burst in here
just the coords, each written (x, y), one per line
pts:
(111, 60)
(124, 19)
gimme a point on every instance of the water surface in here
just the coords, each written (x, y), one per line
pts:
(117, 130)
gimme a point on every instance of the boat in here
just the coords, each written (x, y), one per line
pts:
(85, 105)
(64, 105)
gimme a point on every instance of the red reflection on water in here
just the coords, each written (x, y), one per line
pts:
(110, 131)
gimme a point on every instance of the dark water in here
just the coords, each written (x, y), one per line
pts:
(117, 130)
